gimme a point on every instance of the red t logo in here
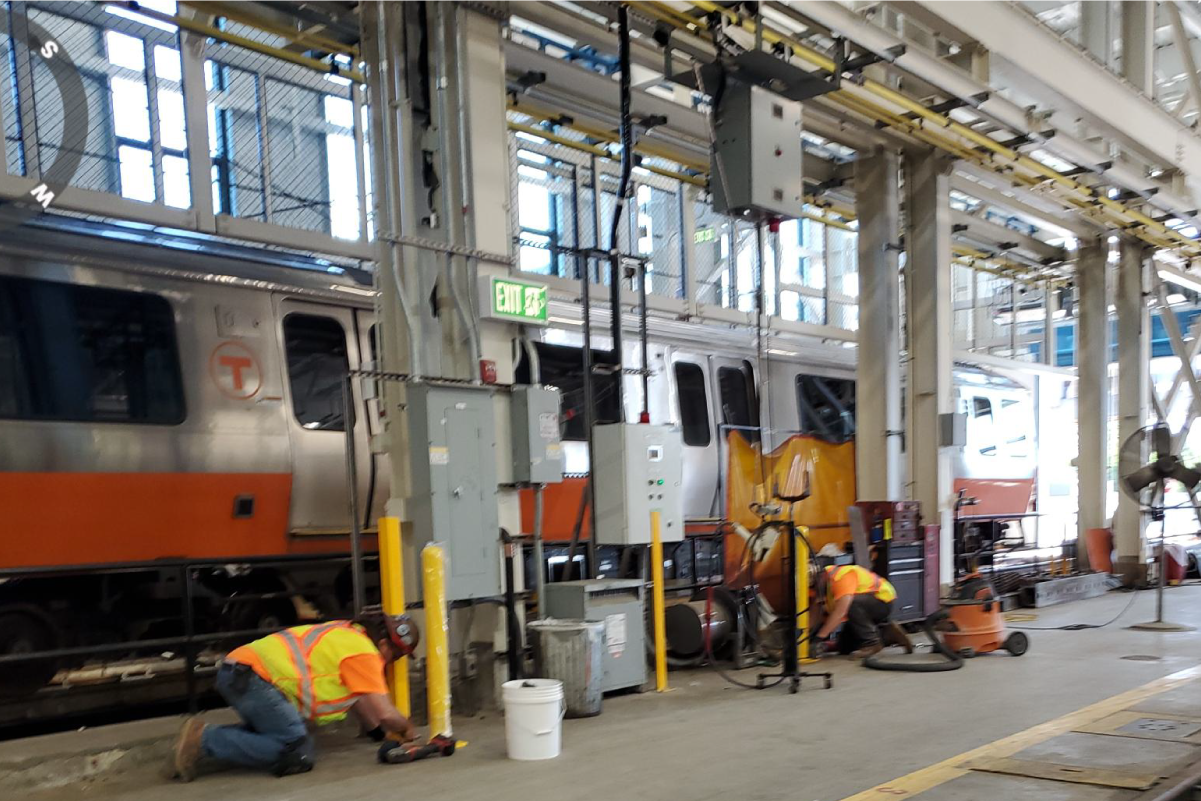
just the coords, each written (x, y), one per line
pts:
(236, 364)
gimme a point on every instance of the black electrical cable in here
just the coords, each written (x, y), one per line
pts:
(953, 660)
(1084, 626)
(748, 564)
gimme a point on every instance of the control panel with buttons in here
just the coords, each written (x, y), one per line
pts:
(639, 469)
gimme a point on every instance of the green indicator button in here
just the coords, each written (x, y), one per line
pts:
(660, 482)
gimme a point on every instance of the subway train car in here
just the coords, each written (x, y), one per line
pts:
(168, 402)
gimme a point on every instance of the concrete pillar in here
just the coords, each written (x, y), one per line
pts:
(1138, 44)
(1095, 36)
(878, 375)
(928, 305)
(1134, 356)
(1092, 415)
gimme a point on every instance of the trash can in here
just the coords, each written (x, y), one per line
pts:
(570, 651)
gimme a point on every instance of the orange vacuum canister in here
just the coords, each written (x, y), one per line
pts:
(974, 625)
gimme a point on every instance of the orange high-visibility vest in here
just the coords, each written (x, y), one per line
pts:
(303, 663)
(866, 582)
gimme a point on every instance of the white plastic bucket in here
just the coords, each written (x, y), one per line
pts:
(534, 711)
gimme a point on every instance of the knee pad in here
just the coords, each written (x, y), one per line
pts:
(294, 759)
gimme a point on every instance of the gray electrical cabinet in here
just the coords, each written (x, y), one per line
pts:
(639, 469)
(537, 448)
(452, 456)
(758, 145)
(620, 605)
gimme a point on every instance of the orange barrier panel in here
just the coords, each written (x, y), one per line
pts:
(823, 513)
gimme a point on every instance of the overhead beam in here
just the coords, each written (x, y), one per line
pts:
(987, 231)
(1079, 82)
(958, 83)
(972, 181)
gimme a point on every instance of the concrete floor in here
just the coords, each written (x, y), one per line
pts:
(706, 740)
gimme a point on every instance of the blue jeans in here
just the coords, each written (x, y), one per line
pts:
(271, 724)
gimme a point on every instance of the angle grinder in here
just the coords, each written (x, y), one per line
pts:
(394, 753)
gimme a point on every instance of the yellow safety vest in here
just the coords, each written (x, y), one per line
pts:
(304, 661)
(867, 582)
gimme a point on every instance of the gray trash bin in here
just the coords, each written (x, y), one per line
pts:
(570, 651)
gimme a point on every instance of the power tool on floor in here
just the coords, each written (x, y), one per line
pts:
(974, 624)
(969, 623)
(394, 753)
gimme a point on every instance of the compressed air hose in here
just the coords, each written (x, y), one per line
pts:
(953, 660)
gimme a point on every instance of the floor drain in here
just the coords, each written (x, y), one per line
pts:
(1142, 658)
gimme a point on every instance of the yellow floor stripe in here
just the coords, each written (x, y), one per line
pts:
(942, 772)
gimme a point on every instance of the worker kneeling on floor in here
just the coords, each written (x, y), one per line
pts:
(306, 675)
(863, 600)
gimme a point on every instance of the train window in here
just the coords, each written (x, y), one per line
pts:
(739, 406)
(694, 406)
(562, 366)
(87, 354)
(827, 407)
(316, 351)
(981, 407)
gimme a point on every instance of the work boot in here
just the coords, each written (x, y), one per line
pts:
(187, 749)
(897, 636)
(868, 650)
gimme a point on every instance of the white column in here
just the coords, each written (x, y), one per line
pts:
(1138, 44)
(1094, 30)
(1092, 415)
(928, 303)
(878, 375)
(1134, 357)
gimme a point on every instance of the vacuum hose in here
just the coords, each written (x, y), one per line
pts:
(953, 660)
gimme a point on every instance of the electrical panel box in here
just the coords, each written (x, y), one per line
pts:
(452, 457)
(618, 603)
(952, 430)
(537, 448)
(758, 145)
(639, 469)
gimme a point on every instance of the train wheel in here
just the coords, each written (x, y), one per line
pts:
(25, 633)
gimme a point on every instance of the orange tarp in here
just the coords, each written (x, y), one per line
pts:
(832, 490)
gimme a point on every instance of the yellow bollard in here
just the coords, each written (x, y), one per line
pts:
(437, 650)
(392, 588)
(658, 604)
(804, 646)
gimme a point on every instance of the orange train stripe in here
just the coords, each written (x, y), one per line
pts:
(93, 518)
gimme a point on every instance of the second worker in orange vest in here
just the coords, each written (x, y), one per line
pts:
(861, 599)
(304, 676)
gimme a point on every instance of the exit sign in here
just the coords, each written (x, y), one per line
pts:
(515, 301)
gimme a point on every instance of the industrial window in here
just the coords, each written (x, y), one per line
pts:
(827, 407)
(87, 354)
(739, 404)
(984, 429)
(694, 407)
(317, 364)
(562, 366)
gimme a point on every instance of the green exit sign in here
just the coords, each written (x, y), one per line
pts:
(517, 301)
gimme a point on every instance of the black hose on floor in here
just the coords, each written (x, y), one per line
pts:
(953, 660)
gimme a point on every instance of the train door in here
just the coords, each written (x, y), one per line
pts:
(319, 343)
(690, 403)
(737, 395)
(379, 469)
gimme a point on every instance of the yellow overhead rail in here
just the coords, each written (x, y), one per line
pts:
(236, 12)
(929, 126)
(842, 217)
(188, 24)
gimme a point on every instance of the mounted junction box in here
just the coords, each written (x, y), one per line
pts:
(537, 448)
(452, 456)
(639, 469)
(758, 144)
